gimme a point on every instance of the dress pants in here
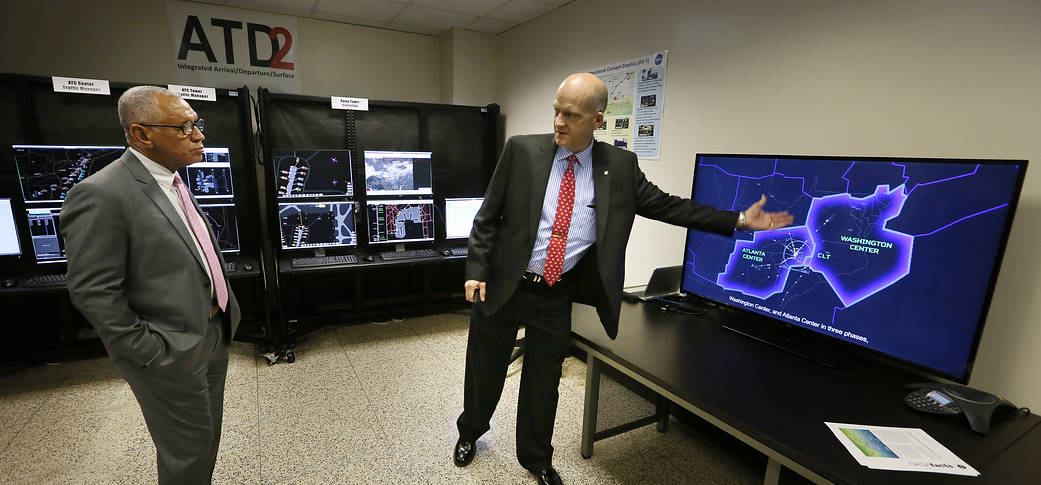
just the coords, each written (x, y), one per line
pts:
(183, 406)
(546, 314)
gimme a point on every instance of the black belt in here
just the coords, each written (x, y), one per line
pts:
(532, 279)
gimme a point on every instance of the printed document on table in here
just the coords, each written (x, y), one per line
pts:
(907, 449)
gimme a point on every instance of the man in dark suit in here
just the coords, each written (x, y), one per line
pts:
(145, 270)
(553, 230)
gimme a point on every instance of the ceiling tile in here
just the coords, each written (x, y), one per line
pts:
(432, 18)
(554, 2)
(472, 7)
(346, 19)
(363, 9)
(288, 7)
(490, 26)
(521, 10)
(414, 29)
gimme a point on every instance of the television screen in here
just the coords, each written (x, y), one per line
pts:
(48, 172)
(225, 226)
(400, 221)
(459, 216)
(9, 245)
(210, 178)
(45, 229)
(397, 173)
(312, 173)
(899, 256)
(317, 224)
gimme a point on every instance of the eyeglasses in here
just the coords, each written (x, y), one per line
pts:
(187, 127)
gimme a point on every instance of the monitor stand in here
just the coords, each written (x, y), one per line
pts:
(790, 339)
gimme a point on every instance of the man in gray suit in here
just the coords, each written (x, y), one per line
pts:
(553, 230)
(145, 270)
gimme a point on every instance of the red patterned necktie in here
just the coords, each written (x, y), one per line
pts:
(203, 237)
(561, 224)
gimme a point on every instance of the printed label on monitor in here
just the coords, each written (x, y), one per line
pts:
(317, 224)
(400, 221)
(312, 173)
(398, 173)
(894, 255)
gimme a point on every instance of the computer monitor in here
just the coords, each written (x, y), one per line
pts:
(47, 172)
(317, 224)
(225, 225)
(9, 245)
(400, 221)
(398, 173)
(897, 256)
(459, 216)
(45, 229)
(210, 178)
(312, 173)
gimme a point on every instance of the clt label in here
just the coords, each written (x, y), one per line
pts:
(194, 38)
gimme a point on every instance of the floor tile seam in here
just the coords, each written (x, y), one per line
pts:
(431, 350)
(368, 398)
(28, 420)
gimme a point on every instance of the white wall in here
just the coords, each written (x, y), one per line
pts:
(129, 41)
(942, 78)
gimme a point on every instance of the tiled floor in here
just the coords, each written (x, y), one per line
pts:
(372, 403)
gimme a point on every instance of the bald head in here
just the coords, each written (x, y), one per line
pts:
(578, 110)
(588, 88)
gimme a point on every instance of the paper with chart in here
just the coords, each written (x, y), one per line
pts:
(902, 449)
(635, 96)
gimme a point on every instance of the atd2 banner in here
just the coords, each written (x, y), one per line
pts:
(227, 47)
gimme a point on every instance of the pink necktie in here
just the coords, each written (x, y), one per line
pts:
(203, 237)
(561, 224)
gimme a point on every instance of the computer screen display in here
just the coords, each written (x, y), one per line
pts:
(45, 229)
(317, 224)
(9, 245)
(899, 256)
(398, 173)
(47, 172)
(210, 178)
(400, 221)
(225, 225)
(312, 173)
(459, 216)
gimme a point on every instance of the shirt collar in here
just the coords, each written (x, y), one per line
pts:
(585, 154)
(161, 174)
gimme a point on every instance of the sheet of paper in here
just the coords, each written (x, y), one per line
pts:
(907, 449)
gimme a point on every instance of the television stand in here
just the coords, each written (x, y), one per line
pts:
(793, 340)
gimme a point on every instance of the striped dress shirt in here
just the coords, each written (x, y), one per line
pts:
(582, 233)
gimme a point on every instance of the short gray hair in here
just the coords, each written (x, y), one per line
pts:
(138, 104)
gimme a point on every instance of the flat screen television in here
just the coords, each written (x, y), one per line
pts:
(308, 225)
(459, 216)
(400, 221)
(398, 173)
(895, 255)
(9, 245)
(312, 173)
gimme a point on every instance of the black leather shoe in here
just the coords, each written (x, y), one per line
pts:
(548, 476)
(464, 452)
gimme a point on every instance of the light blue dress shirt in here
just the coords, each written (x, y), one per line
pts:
(582, 233)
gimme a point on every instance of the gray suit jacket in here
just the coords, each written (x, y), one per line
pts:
(504, 230)
(134, 271)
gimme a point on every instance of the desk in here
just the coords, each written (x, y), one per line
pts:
(777, 402)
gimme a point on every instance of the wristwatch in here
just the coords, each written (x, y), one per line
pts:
(741, 225)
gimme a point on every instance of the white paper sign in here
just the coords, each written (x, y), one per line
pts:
(80, 85)
(194, 92)
(230, 47)
(357, 104)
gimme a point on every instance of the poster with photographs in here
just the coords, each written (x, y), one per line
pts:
(635, 93)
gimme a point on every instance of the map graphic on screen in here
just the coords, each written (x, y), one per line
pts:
(397, 173)
(225, 226)
(317, 224)
(48, 172)
(401, 221)
(313, 173)
(894, 255)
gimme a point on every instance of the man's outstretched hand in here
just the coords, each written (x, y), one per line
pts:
(758, 220)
